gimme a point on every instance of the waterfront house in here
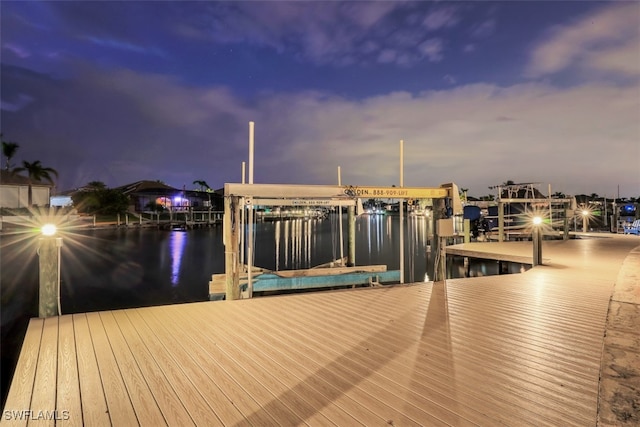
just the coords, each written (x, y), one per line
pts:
(14, 191)
(145, 195)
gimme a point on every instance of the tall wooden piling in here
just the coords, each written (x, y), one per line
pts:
(438, 213)
(230, 249)
(48, 263)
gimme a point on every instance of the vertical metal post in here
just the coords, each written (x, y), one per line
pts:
(351, 219)
(565, 235)
(250, 249)
(251, 149)
(500, 222)
(250, 253)
(243, 219)
(340, 222)
(550, 209)
(537, 245)
(49, 274)
(401, 206)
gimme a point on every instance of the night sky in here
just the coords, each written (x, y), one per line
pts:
(481, 92)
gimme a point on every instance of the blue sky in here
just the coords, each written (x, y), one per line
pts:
(481, 92)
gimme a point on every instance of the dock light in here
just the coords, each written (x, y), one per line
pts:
(536, 237)
(585, 220)
(49, 229)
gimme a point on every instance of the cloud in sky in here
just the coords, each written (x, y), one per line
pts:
(148, 126)
(444, 17)
(337, 33)
(607, 40)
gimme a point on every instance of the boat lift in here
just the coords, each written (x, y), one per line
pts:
(238, 197)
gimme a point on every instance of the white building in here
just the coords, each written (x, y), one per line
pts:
(14, 191)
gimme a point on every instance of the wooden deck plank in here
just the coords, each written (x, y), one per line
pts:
(43, 402)
(191, 383)
(311, 374)
(270, 378)
(94, 410)
(473, 365)
(168, 402)
(246, 390)
(308, 403)
(504, 334)
(357, 364)
(20, 393)
(484, 362)
(68, 405)
(143, 401)
(119, 405)
(351, 367)
(207, 374)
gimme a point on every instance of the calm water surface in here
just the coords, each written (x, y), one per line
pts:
(120, 268)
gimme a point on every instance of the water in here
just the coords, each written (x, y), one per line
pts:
(125, 268)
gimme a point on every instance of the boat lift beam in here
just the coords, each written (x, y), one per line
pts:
(275, 191)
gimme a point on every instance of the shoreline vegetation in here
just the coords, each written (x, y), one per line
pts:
(17, 220)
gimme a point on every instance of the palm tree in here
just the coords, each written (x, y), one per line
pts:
(36, 173)
(202, 184)
(204, 187)
(463, 193)
(8, 151)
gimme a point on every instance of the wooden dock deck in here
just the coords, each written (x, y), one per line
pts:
(513, 350)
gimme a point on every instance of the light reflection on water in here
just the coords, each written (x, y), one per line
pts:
(305, 243)
(177, 242)
(120, 268)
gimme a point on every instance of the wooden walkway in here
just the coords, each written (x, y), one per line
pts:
(498, 350)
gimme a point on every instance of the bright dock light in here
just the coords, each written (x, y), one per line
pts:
(49, 229)
(537, 220)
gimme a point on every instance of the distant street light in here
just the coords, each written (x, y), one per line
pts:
(537, 241)
(49, 271)
(585, 220)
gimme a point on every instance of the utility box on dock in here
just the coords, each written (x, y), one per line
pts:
(445, 227)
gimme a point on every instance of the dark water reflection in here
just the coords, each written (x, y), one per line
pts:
(124, 268)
